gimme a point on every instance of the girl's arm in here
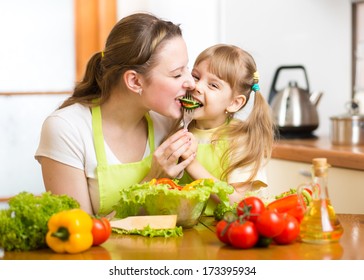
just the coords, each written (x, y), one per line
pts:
(62, 179)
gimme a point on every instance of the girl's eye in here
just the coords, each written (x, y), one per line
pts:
(178, 76)
(215, 86)
(195, 77)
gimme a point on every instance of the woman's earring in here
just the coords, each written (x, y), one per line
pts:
(140, 91)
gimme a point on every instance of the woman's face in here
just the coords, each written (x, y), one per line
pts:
(215, 94)
(169, 80)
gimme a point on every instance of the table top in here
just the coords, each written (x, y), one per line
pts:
(201, 243)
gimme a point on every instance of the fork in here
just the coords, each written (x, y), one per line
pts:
(187, 113)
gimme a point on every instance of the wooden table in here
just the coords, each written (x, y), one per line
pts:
(200, 243)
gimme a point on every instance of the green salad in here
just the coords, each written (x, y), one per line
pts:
(160, 199)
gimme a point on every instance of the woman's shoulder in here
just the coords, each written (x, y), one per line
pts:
(74, 117)
(74, 111)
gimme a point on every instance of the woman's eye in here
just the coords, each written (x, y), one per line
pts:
(178, 76)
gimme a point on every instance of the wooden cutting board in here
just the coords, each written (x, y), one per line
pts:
(140, 222)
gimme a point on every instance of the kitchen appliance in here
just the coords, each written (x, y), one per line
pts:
(294, 108)
(348, 129)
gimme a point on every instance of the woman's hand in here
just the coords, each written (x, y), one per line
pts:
(166, 157)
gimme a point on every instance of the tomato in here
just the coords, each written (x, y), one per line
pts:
(243, 234)
(101, 230)
(290, 232)
(270, 223)
(222, 228)
(250, 208)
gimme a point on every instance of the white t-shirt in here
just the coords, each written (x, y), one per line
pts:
(67, 137)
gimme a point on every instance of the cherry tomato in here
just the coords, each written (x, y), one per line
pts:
(243, 234)
(101, 230)
(270, 223)
(222, 228)
(290, 232)
(250, 208)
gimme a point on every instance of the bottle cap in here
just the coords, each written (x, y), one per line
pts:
(320, 166)
(319, 162)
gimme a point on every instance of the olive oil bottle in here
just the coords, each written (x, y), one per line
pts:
(320, 224)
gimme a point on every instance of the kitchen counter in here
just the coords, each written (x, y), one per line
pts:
(304, 150)
(201, 243)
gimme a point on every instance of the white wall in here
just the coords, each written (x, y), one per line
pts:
(315, 33)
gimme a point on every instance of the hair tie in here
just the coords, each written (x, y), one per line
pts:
(102, 54)
(255, 87)
(256, 76)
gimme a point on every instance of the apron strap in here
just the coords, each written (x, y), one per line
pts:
(98, 136)
(150, 133)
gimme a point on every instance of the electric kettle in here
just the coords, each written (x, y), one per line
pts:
(294, 108)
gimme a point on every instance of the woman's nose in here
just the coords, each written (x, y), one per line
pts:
(189, 83)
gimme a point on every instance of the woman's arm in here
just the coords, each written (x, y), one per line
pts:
(61, 179)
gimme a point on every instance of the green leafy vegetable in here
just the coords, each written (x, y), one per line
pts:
(149, 232)
(23, 225)
(222, 208)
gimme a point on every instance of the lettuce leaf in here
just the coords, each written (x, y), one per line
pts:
(23, 225)
(149, 232)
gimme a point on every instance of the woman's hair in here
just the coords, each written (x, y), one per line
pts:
(133, 44)
(250, 141)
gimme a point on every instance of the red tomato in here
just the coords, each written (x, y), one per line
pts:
(290, 232)
(250, 208)
(270, 223)
(243, 234)
(101, 230)
(222, 228)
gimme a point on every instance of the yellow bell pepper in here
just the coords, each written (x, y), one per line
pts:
(70, 231)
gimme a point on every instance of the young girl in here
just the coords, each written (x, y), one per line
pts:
(229, 149)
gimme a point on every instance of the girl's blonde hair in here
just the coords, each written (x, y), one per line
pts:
(256, 134)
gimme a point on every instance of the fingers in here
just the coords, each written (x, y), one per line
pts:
(167, 155)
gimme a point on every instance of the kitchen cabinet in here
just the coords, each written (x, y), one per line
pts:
(346, 186)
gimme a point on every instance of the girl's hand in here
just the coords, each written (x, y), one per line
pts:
(165, 162)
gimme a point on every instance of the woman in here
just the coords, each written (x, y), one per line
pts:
(103, 138)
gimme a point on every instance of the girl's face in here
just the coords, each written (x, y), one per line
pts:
(215, 94)
(169, 80)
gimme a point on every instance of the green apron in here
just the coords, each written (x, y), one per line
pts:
(209, 156)
(112, 178)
